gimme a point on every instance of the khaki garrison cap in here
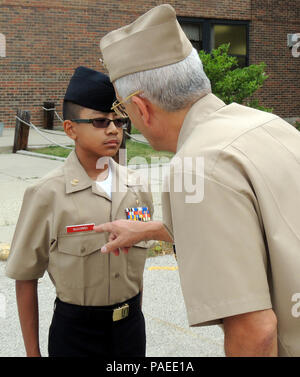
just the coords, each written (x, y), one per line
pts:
(153, 40)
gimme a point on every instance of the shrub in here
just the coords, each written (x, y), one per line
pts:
(297, 124)
(231, 83)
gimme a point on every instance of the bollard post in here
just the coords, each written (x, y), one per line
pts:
(128, 129)
(48, 115)
(123, 145)
(117, 156)
(21, 131)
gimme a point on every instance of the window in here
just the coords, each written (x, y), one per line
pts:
(194, 34)
(207, 34)
(233, 34)
(2, 46)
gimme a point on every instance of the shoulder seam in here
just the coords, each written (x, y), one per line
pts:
(39, 185)
(269, 190)
(279, 142)
(236, 138)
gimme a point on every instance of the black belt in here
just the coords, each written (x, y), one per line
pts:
(113, 312)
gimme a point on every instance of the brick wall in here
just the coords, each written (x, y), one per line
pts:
(47, 40)
(271, 21)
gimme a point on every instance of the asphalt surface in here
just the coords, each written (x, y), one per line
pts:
(168, 333)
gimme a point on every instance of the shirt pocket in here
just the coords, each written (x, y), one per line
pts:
(80, 264)
(136, 262)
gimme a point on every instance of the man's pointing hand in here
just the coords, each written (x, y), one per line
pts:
(123, 235)
(126, 233)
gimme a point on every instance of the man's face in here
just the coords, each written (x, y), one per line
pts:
(134, 113)
(97, 141)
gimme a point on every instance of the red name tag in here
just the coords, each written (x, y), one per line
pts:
(80, 228)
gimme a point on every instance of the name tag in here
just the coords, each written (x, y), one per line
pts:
(80, 228)
(138, 214)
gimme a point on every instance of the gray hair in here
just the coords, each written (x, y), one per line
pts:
(172, 87)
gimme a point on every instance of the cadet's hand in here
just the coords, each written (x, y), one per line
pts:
(123, 235)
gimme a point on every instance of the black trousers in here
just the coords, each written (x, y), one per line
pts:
(90, 331)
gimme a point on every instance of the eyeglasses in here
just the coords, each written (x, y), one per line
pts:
(104, 122)
(119, 108)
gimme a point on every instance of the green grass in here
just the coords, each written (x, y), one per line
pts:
(53, 151)
(134, 131)
(160, 248)
(134, 149)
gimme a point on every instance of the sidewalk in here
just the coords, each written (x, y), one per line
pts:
(139, 137)
(34, 140)
(168, 333)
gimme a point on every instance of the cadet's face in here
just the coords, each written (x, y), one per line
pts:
(98, 141)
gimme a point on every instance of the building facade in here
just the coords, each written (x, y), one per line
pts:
(42, 42)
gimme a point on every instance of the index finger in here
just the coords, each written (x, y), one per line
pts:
(107, 227)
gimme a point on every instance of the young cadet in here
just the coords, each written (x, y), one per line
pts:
(98, 305)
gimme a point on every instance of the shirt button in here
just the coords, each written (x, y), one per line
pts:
(83, 249)
(117, 275)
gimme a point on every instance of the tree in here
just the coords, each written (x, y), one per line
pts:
(231, 83)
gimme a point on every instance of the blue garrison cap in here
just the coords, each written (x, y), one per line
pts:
(91, 89)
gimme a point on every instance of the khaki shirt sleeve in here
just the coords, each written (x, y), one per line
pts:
(221, 254)
(28, 257)
(146, 198)
(166, 207)
(143, 190)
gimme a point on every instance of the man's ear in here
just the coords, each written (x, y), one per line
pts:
(70, 130)
(144, 107)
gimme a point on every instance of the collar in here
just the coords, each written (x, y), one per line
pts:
(197, 114)
(76, 178)
(123, 180)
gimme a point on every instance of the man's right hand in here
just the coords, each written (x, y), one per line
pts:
(126, 233)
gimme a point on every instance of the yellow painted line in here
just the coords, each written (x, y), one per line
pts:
(162, 268)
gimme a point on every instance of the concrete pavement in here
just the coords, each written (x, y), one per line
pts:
(168, 333)
(16, 173)
(34, 140)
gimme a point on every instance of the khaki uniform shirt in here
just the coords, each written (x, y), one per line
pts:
(238, 247)
(81, 274)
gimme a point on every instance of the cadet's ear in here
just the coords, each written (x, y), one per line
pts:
(70, 130)
(144, 107)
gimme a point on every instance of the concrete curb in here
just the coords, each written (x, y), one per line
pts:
(41, 155)
(51, 157)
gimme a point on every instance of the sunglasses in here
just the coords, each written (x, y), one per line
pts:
(104, 122)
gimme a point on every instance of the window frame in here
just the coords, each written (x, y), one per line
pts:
(207, 24)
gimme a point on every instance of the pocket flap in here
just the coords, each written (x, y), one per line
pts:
(145, 244)
(81, 245)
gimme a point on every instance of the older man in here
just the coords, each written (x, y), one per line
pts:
(238, 237)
